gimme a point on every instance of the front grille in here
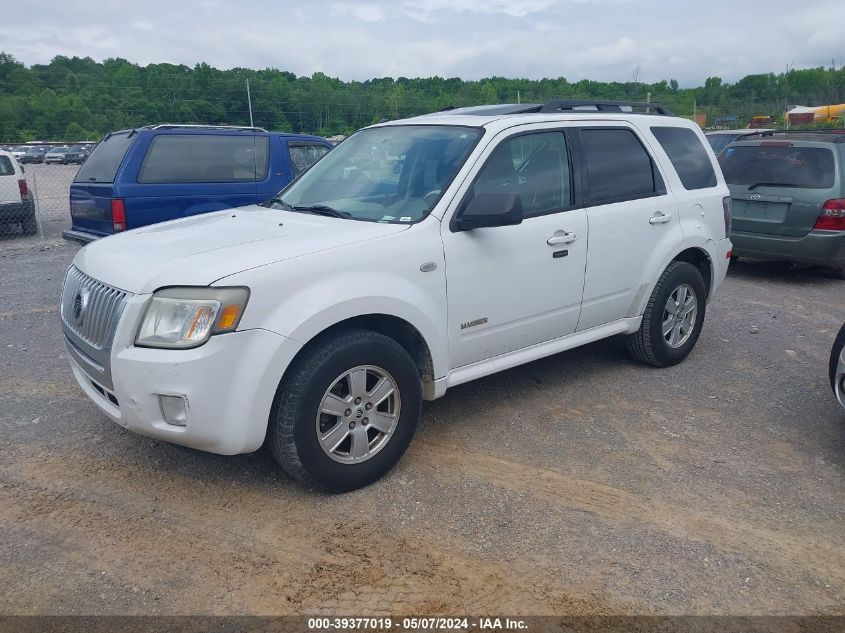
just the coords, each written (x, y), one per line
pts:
(91, 309)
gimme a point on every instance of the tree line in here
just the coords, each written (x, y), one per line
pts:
(74, 98)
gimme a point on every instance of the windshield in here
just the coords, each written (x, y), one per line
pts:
(36, 150)
(384, 174)
(786, 165)
(21, 148)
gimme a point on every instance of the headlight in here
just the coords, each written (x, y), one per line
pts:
(180, 318)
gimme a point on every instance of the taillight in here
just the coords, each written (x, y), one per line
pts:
(118, 215)
(22, 187)
(832, 217)
(727, 206)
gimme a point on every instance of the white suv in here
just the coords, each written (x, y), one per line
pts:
(417, 255)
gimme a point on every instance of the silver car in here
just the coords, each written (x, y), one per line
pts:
(56, 154)
(837, 366)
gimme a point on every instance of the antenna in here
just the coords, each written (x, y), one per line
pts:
(249, 102)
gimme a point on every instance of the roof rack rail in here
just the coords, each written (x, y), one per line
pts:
(590, 105)
(169, 126)
(493, 109)
(838, 134)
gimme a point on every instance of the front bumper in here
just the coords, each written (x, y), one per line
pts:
(817, 248)
(228, 386)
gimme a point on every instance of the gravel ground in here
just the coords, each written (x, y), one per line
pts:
(584, 483)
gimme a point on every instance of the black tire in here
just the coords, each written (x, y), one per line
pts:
(835, 351)
(29, 226)
(647, 344)
(291, 433)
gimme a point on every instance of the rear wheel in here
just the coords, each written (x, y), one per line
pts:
(835, 352)
(29, 225)
(346, 410)
(672, 319)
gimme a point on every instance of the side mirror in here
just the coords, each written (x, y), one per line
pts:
(490, 209)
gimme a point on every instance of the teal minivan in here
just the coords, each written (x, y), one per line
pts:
(788, 195)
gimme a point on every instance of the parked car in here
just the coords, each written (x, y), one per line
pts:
(76, 154)
(138, 177)
(720, 139)
(16, 204)
(788, 191)
(56, 155)
(34, 154)
(19, 151)
(836, 366)
(322, 318)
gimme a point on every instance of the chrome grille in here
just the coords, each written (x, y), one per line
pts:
(91, 309)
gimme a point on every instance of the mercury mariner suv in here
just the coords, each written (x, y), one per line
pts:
(417, 255)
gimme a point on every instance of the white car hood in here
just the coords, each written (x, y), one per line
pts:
(199, 250)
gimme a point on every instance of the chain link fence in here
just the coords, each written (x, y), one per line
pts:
(46, 214)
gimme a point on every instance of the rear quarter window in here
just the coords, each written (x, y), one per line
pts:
(779, 165)
(177, 158)
(104, 161)
(688, 156)
(6, 167)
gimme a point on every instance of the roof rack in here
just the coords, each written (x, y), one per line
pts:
(589, 105)
(838, 134)
(576, 106)
(170, 126)
(494, 110)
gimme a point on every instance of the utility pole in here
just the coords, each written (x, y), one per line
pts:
(249, 102)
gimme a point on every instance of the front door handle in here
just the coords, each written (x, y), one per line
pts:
(561, 237)
(659, 218)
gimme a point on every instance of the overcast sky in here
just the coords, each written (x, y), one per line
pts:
(595, 39)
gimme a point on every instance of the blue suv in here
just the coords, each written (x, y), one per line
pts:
(164, 172)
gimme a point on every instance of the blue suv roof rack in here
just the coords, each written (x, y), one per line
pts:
(170, 126)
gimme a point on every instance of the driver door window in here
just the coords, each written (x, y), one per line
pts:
(533, 166)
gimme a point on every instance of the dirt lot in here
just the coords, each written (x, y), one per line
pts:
(583, 483)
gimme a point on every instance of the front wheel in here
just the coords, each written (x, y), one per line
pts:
(346, 410)
(672, 319)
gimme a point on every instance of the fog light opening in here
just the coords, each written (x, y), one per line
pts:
(174, 410)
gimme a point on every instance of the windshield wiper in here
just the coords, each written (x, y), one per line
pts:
(322, 209)
(771, 184)
(278, 200)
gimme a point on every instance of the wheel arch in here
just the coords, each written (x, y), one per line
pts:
(394, 327)
(699, 258)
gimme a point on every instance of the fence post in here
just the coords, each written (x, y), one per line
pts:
(36, 203)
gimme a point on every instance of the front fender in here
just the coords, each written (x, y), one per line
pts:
(301, 298)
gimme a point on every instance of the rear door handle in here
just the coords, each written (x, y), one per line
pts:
(561, 237)
(659, 218)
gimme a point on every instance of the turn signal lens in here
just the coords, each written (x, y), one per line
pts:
(228, 318)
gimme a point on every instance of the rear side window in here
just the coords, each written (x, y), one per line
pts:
(303, 155)
(104, 161)
(688, 156)
(618, 166)
(779, 166)
(175, 158)
(6, 167)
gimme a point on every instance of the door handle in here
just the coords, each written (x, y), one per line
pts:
(561, 237)
(659, 218)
